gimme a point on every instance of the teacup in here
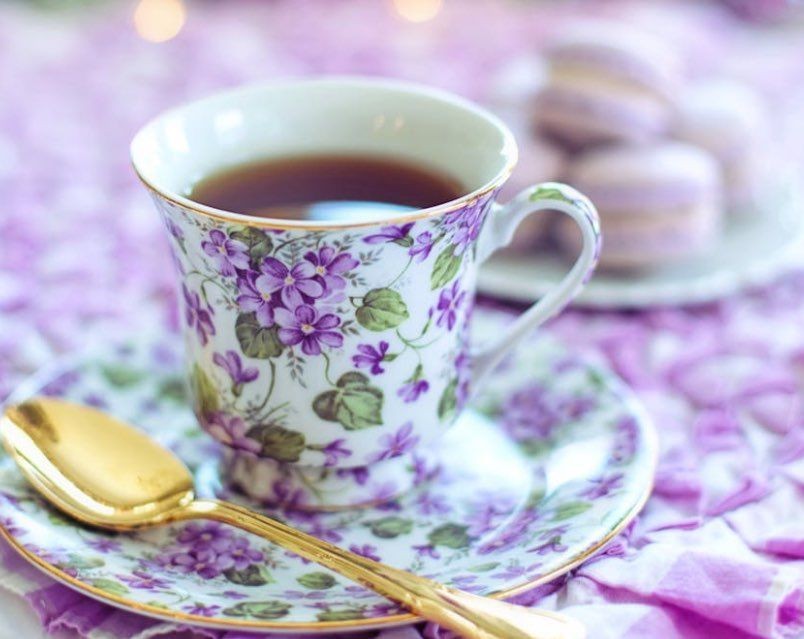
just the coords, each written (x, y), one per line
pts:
(324, 401)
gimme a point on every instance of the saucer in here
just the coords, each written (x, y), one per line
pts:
(552, 460)
(756, 247)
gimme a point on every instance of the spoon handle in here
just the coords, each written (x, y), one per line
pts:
(470, 616)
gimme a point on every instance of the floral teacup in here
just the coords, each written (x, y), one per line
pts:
(324, 355)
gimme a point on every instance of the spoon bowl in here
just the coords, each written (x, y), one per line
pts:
(108, 474)
(94, 467)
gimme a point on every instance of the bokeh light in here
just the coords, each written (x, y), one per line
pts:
(159, 20)
(418, 10)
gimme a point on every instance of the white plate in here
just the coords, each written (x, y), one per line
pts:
(754, 250)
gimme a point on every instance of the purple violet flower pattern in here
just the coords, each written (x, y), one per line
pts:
(627, 436)
(366, 550)
(206, 536)
(537, 411)
(358, 474)
(257, 296)
(240, 554)
(516, 571)
(207, 550)
(389, 234)
(463, 369)
(413, 389)
(174, 229)
(466, 225)
(467, 234)
(603, 486)
(305, 326)
(432, 504)
(202, 610)
(449, 302)
(330, 266)
(370, 357)
(104, 545)
(296, 285)
(205, 563)
(287, 495)
(396, 444)
(550, 546)
(334, 451)
(197, 316)
(227, 254)
(233, 365)
(144, 580)
(231, 430)
(422, 246)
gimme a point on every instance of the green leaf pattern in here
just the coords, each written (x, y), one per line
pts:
(317, 580)
(278, 443)
(446, 267)
(264, 610)
(390, 527)
(252, 575)
(205, 394)
(450, 536)
(256, 341)
(354, 402)
(382, 308)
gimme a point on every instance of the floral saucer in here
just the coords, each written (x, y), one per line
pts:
(553, 459)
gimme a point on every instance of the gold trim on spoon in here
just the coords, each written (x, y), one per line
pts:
(109, 475)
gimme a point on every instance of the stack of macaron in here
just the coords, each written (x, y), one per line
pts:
(658, 203)
(607, 83)
(663, 161)
(728, 120)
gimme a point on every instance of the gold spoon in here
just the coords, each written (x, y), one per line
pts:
(110, 475)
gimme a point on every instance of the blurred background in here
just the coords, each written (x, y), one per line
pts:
(80, 246)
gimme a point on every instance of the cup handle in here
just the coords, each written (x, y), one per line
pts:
(498, 231)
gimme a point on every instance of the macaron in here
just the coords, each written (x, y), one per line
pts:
(607, 82)
(730, 121)
(658, 203)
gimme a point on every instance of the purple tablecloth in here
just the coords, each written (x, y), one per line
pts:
(717, 552)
